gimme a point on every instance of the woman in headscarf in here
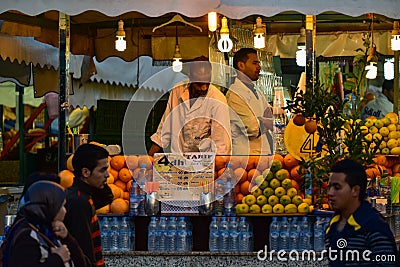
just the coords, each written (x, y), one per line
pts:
(39, 237)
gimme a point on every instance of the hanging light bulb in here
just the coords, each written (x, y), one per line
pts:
(395, 42)
(177, 63)
(225, 44)
(388, 69)
(120, 43)
(259, 34)
(212, 21)
(372, 71)
(301, 57)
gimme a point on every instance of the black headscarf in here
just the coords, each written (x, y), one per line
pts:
(42, 202)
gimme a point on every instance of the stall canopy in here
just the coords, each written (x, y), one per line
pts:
(236, 9)
(94, 22)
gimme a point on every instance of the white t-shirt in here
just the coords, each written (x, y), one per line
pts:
(378, 107)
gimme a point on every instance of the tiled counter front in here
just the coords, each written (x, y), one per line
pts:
(195, 259)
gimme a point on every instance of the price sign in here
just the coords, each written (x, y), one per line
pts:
(181, 176)
(298, 142)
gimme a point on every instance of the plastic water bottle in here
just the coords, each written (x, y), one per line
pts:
(189, 235)
(161, 234)
(124, 234)
(294, 235)
(134, 199)
(105, 233)
(152, 242)
(182, 236)
(219, 198)
(214, 235)
(233, 234)
(245, 236)
(142, 178)
(114, 234)
(229, 198)
(274, 234)
(319, 236)
(132, 240)
(284, 233)
(305, 234)
(223, 235)
(171, 234)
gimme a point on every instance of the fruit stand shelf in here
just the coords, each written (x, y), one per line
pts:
(274, 214)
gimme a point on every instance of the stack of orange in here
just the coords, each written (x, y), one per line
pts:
(121, 170)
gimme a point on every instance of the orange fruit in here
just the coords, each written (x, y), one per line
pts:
(121, 185)
(135, 173)
(145, 159)
(132, 162)
(381, 160)
(290, 161)
(237, 188)
(280, 158)
(372, 172)
(66, 178)
(396, 168)
(238, 198)
(220, 162)
(240, 174)
(296, 185)
(253, 173)
(299, 120)
(69, 163)
(220, 172)
(396, 174)
(117, 191)
(236, 162)
(117, 162)
(110, 179)
(310, 126)
(244, 188)
(252, 162)
(119, 206)
(113, 172)
(125, 175)
(126, 195)
(264, 163)
(296, 174)
(103, 210)
(128, 186)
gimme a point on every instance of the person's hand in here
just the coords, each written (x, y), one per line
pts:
(63, 252)
(59, 229)
(267, 123)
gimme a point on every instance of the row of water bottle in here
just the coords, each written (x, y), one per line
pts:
(230, 234)
(137, 194)
(297, 233)
(225, 193)
(117, 233)
(170, 234)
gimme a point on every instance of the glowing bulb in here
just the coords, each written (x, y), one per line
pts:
(395, 42)
(388, 69)
(301, 57)
(225, 44)
(259, 34)
(212, 21)
(177, 65)
(372, 71)
(120, 43)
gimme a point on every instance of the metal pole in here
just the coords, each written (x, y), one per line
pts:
(396, 83)
(20, 91)
(310, 51)
(63, 72)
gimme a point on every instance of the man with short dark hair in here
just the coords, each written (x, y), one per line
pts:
(88, 193)
(196, 117)
(251, 115)
(356, 226)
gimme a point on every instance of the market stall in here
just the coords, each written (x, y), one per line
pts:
(103, 48)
